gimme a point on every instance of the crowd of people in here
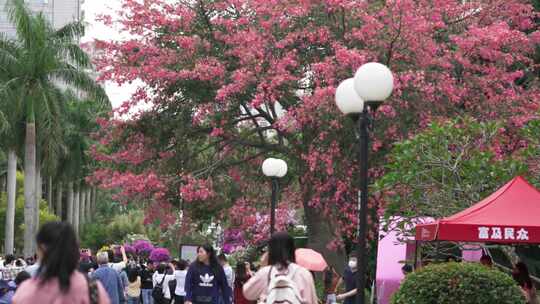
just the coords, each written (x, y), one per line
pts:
(60, 274)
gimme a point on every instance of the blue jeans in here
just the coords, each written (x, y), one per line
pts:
(133, 300)
(147, 296)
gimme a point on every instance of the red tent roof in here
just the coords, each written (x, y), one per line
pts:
(509, 215)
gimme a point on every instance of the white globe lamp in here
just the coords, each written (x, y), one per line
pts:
(347, 100)
(282, 168)
(373, 81)
(271, 167)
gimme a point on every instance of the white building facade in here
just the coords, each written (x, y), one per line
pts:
(59, 12)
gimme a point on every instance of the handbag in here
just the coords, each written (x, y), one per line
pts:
(93, 295)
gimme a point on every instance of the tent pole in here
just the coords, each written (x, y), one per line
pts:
(415, 255)
(437, 252)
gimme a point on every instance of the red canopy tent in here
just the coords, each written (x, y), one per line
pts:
(509, 215)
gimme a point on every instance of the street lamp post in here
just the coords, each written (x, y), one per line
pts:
(372, 84)
(274, 168)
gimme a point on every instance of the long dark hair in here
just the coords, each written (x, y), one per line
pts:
(182, 265)
(132, 275)
(328, 277)
(281, 249)
(241, 273)
(162, 268)
(521, 275)
(60, 249)
(212, 258)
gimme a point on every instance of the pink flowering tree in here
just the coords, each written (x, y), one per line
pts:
(230, 82)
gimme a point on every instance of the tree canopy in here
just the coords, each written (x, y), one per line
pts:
(231, 82)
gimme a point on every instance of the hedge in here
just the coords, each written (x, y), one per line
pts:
(458, 283)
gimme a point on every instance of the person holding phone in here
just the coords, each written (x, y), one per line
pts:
(120, 265)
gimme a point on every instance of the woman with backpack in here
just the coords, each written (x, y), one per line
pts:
(161, 292)
(57, 280)
(283, 279)
(205, 279)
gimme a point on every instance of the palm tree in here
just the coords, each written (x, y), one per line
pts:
(70, 199)
(58, 207)
(50, 145)
(76, 207)
(43, 58)
(9, 141)
(80, 122)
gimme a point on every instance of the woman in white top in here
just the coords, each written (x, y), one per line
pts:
(180, 275)
(162, 278)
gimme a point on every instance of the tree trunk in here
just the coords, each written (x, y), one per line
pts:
(70, 197)
(39, 195)
(50, 194)
(94, 202)
(320, 234)
(3, 183)
(76, 208)
(88, 204)
(11, 197)
(59, 200)
(29, 188)
(83, 207)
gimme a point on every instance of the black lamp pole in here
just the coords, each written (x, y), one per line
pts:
(275, 186)
(363, 130)
(372, 84)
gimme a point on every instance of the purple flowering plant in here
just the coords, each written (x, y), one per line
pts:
(160, 255)
(233, 240)
(129, 249)
(143, 247)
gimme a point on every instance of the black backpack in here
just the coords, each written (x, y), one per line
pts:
(157, 291)
(172, 287)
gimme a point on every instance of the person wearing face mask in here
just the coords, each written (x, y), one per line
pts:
(351, 281)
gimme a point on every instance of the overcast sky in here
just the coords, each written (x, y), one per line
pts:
(96, 30)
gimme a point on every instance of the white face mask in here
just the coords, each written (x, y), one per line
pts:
(352, 264)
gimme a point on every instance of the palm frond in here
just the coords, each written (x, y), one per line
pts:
(21, 17)
(81, 80)
(7, 62)
(71, 31)
(9, 50)
(12, 117)
(10, 85)
(4, 124)
(75, 54)
(48, 121)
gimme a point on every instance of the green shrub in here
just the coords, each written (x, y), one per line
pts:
(45, 215)
(117, 230)
(458, 283)
(95, 236)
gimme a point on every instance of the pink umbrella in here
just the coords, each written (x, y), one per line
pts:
(310, 259)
